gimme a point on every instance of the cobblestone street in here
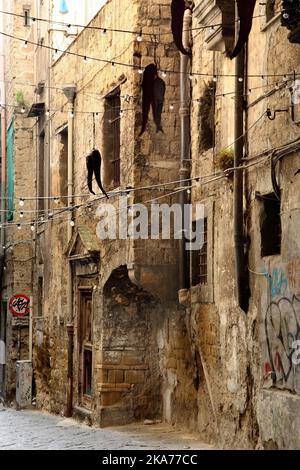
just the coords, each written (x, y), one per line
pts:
(26, 430)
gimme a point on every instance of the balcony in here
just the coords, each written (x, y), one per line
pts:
(221, 13)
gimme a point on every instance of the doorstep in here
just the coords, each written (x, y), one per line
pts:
(83, 414)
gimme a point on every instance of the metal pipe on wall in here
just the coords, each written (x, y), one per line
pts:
(70, 92)
(242, 287)
(185, 139)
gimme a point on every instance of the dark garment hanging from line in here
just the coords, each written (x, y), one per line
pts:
(93, 163)
(245, 12)
(148, 80)
(153, 96)
(159, 88)
(178, 8)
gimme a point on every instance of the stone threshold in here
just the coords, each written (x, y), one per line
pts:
(82, 412)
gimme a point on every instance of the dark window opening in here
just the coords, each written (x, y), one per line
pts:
(270, 226)
(207, 117)
(26, 17)
(63, 163)
(41, 172)
(112, 130)
(199, 259)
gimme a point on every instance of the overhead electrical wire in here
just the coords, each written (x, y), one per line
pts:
(114, 63)
(23, 109)
(43, 220)
(139, 34)
(285, 75)
(128, 191)
(128, 97)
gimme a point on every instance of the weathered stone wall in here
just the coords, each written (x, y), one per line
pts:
(141, 354)
(235, 346)
(205, 366)
(19, 245)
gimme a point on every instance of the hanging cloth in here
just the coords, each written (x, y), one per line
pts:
(178, 8)
(159, 89)
(245, 12)
(63, 8)
(153, 96)
(93, 163)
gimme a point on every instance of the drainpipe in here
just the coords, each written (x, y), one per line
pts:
(238, 215)
(185, 125)
(70, 93)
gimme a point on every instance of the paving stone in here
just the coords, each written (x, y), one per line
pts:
(33, 430)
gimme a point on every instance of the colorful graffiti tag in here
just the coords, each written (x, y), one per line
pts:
(282, 328)
(277, 281)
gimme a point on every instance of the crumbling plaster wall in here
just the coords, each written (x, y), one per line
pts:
(19, 245)
(235, 365)
(145, 161)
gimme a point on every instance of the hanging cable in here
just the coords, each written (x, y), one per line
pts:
(139, 34)
(136, 67)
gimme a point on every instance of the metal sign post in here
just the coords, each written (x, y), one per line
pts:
(20, 307)
(30, 328)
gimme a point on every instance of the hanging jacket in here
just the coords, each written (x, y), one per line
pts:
(147, 86)
(245, 12)
(177, 13)
(159, 89)
(93, 163)
(153, 96)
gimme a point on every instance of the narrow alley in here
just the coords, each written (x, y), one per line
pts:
(149, 225)
(34, 430)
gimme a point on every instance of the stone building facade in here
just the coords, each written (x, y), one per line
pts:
(17, 181)
(117, 336)
(114, 302)
(249, 385)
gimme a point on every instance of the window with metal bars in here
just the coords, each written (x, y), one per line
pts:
(270, 226)
(199, 259)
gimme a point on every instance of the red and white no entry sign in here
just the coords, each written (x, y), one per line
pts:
(19, 305)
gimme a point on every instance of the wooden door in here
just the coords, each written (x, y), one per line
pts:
(85, 339)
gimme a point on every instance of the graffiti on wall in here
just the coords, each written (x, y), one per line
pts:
(282, 327)
(278, 282)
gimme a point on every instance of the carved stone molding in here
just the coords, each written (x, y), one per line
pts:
(217, 12)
